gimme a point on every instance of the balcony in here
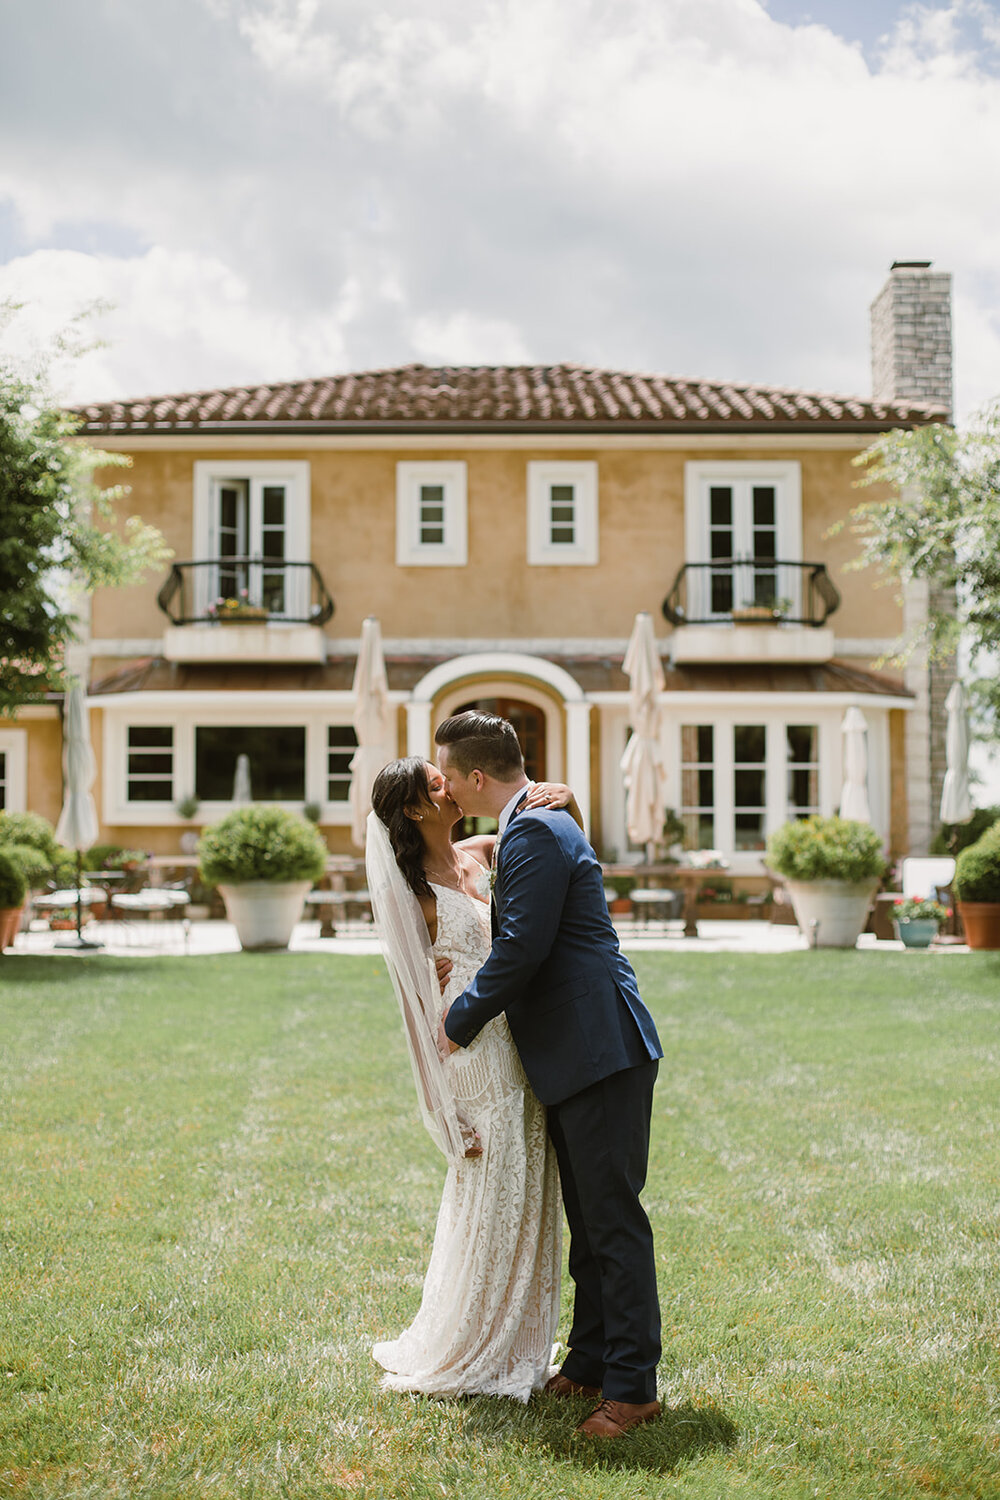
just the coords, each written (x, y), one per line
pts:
(751, 610)
(245, 608)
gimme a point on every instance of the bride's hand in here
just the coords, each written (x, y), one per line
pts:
(554, 794)
(549, 794)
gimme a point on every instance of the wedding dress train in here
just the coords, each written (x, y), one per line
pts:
(490, 1300)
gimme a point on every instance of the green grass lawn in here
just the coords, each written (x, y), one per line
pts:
(216, 1195)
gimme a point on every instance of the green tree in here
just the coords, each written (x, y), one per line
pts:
(58, 528)
(942, 524)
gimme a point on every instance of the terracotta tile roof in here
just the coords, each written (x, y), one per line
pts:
(593, 673)
(476, 398)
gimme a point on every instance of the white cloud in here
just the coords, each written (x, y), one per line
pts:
(686, 185)
(177, 320)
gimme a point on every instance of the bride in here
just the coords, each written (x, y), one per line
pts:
(490, 1301)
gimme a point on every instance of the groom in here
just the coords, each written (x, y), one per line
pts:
(590, 1050)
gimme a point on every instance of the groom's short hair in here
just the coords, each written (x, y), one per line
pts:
(482, 742)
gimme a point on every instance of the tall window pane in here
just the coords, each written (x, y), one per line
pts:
(277, 754)
(802, 755)
(431, 514)
(698, 785)
(562, 513)
(341, 743)
(149, 763)
(749, 785)
(720, 543)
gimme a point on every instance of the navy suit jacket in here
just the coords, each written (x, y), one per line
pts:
(555, 968)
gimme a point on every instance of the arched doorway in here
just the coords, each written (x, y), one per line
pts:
(529, 726)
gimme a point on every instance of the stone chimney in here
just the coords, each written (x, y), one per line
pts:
(911, 336)
(911, 360)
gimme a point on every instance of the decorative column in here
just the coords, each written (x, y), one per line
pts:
(578, 754)
(418, 730)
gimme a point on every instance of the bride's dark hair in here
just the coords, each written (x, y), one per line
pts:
(400, 785)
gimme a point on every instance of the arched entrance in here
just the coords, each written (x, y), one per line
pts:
(529, 724)
(542, 686)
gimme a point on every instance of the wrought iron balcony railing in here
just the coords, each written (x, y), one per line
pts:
(227, 589)
(737, 590)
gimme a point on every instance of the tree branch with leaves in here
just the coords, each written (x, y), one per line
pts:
(59, 530)
(942, 525)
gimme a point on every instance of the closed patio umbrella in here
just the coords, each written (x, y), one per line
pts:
(955, 804)
(372, 723)
(642, 763)
(77, 827)
(854, 797)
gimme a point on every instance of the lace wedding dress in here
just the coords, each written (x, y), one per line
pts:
(490, 1301)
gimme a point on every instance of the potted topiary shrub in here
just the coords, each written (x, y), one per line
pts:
(263, 860)
(977, 890)
(620, 888)
(13, 891)
(30, 841)
(832, 868)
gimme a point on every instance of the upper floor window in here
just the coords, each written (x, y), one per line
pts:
(431, 525)
(743, 524)
(251, 518)
(562, 512)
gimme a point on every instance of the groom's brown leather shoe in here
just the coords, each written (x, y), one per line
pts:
(561, 1385)
(613, 1419)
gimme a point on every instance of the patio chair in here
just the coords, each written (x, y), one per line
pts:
(662, 905)
(152, 913)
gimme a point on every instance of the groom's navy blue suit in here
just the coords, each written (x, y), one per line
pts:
(590, 1050)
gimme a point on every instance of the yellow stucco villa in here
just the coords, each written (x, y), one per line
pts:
(505, 525)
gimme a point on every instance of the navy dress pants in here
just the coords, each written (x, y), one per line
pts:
(601, 1138)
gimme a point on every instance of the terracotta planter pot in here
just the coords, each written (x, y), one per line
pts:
(981, 920)
(10, 923)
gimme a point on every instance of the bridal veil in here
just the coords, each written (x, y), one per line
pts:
(410, 961)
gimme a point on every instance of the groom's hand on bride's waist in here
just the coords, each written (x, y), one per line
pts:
(445, 1044)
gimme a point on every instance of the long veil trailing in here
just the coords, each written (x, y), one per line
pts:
(410, 961)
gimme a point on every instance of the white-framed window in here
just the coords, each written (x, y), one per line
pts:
(341, 743)
(741, 775)
(697, 809)
(743, 533)
(562, 513)
(431, 515)
(299, 748)
(251, 520)
(802, 755)
(749, 786)
(13, 770)
(149, 766)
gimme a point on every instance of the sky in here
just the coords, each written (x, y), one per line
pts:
(247, 191)
(259, 190)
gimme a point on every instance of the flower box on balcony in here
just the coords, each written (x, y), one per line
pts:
(245, 614)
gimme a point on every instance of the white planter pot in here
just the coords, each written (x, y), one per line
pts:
(264, 912)
(839, 909)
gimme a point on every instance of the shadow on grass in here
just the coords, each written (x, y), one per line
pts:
(64, 968)
(676, 1437)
